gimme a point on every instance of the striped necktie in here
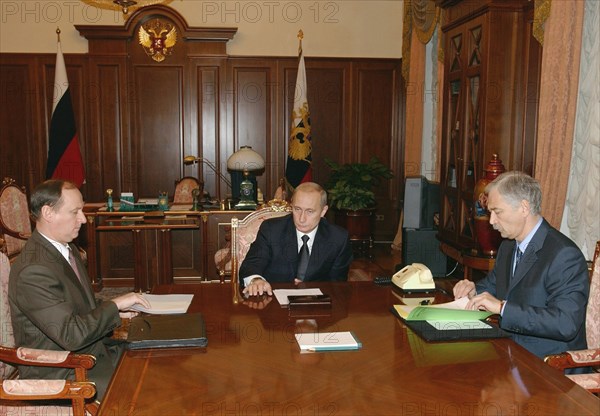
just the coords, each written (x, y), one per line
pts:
(73, 263)
(518, 256)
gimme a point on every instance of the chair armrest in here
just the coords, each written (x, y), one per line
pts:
(572, 359)
(46, 358)
(46, 389)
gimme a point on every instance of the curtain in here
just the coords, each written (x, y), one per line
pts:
(558, 102)
(582, 212)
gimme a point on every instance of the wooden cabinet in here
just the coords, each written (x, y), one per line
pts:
(489, 53)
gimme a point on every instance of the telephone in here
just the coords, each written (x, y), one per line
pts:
(415, 277)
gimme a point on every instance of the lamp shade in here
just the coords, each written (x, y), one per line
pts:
(245, 159)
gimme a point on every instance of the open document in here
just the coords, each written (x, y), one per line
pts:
(448, 321)
(165, 304)
(451, 311)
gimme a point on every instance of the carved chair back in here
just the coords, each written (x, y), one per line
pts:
(7, 338)
(184, 188)
(15, 223)
(592, 319)
(243, 233)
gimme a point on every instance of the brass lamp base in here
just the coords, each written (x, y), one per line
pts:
(246, 205)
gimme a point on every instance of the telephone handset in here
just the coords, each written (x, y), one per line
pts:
(415, 277)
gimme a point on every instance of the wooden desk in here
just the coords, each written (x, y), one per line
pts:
(252, 365)
(134, 249)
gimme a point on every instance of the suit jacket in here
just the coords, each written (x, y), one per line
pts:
(274, 253)
(546, 298)
(51, 309)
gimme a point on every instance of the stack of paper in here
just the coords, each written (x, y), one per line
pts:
(327, 341)
(165, 304)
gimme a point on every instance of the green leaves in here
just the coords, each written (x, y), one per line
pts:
(352, 185)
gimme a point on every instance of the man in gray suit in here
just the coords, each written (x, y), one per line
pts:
(51, 300)
(539, 284)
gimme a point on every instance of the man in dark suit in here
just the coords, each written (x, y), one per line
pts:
(539, 284)
(277, 253)
(51, 300)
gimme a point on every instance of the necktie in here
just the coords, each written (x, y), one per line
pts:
(74, 265)
(303, 258)
(518, 256)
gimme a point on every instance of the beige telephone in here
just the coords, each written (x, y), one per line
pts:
(415, 277)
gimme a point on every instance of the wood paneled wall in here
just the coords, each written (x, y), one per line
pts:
(138, 118)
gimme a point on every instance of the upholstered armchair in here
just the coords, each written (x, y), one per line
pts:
(19, 396)
(184, 188)
(243, 233)
(591, 356)
(15, 224)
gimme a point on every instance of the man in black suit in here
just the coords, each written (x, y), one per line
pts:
(539, 284)
(277, 253)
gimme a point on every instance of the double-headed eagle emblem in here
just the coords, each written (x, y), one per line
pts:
(158, 39)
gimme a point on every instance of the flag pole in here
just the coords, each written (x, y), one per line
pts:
(300, 37)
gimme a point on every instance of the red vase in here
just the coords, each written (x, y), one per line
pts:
(488, 239)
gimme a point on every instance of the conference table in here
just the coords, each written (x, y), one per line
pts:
(253, 366)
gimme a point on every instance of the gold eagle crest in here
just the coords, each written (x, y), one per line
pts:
(158, 39)
(300, 145)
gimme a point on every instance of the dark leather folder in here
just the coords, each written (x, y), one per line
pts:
(429, 333)
(167, 331)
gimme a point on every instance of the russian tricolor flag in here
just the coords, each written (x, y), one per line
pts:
(64, 155)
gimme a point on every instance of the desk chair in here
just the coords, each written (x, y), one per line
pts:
(591, 356)
(19, 396)
(15, 224)
(184, 188)
(243, 233)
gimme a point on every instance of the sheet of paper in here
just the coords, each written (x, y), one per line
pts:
(165, 304)
(458, 325)
(455, 304)
(282, 294)
(327, 341)
(405, 310)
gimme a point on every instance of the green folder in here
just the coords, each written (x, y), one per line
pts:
(429, 313)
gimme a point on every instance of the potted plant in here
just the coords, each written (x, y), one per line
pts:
(352, 196)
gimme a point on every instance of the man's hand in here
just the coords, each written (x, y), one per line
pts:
(258, 303)
(464, 288)
(126, 301)
(258, 286)
(485, 302)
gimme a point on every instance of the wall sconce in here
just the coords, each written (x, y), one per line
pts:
(241, 164)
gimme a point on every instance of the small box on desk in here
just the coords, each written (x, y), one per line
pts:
(422, 246)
